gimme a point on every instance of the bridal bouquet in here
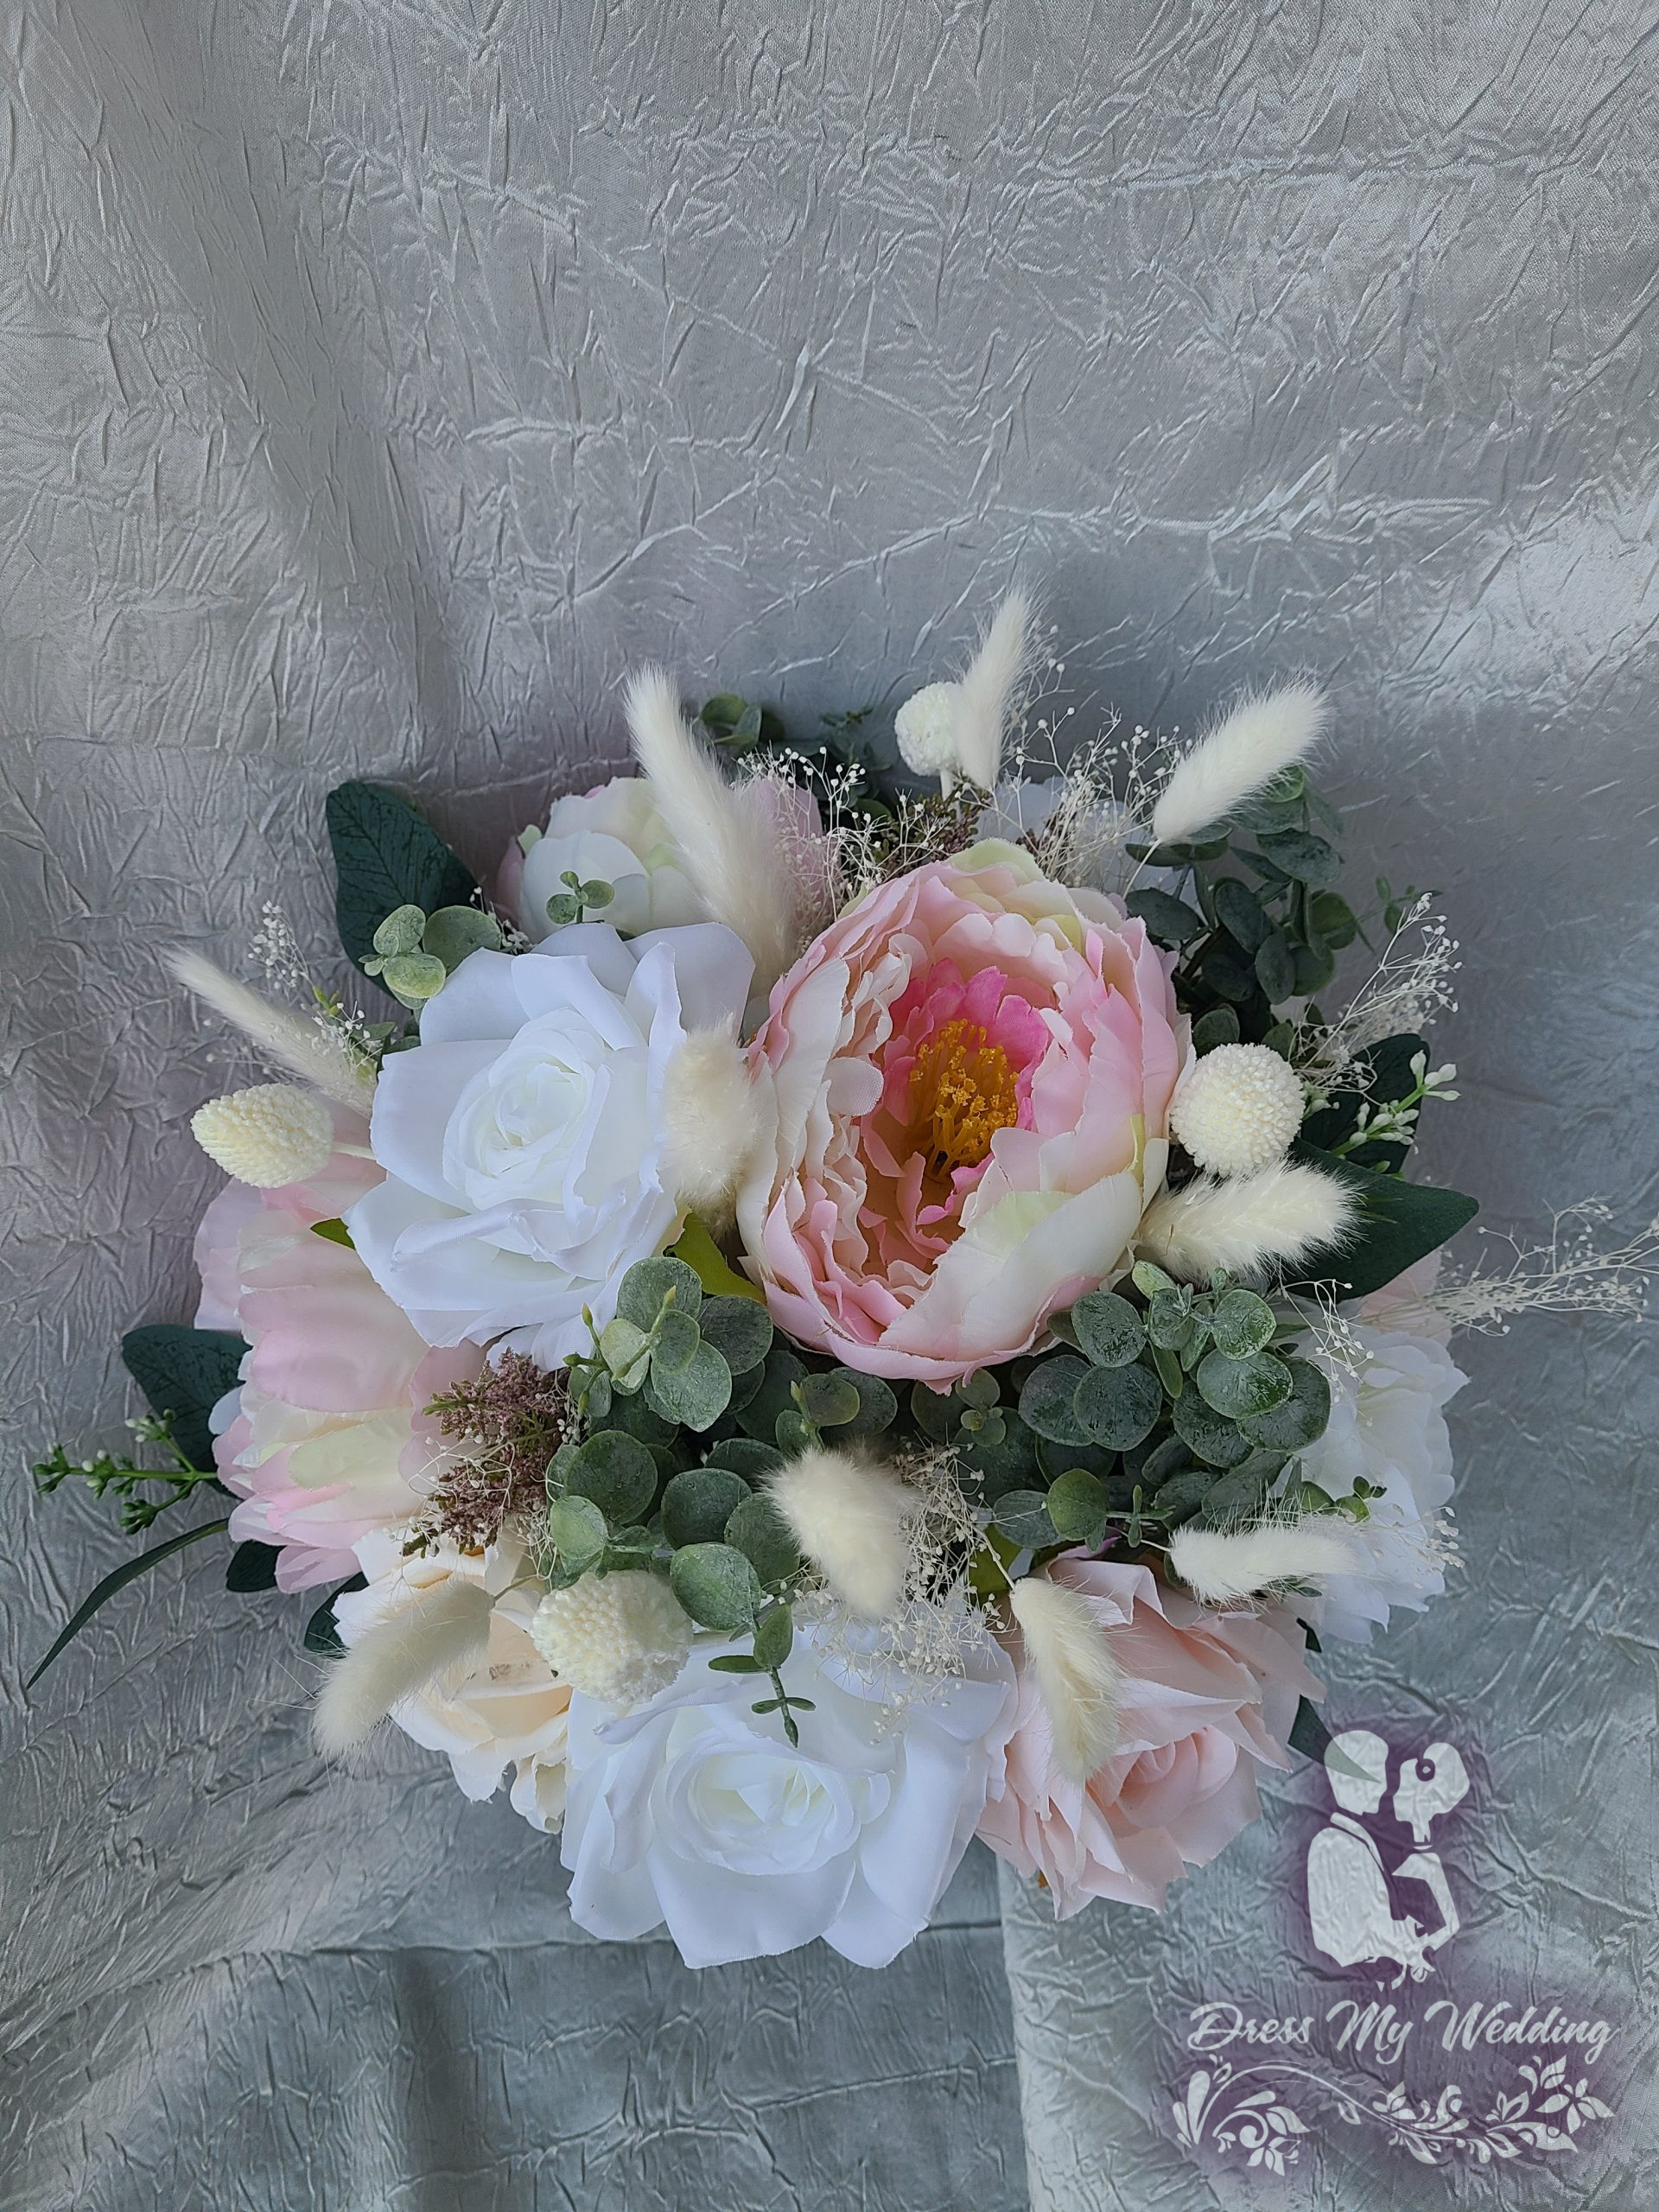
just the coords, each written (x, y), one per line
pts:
(846, 1309)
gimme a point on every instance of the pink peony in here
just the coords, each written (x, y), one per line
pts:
(1204, 1698)
(324, 1441)
(971, 1070)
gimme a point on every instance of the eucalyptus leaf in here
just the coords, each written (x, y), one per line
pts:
(1180, 1496)
(1167, 919)
(1234, 1498)
(1239, 911)
(1078, 1505)
(1022, 1516)
(576, 1528)
(1047, 1403)
(1117, 1406)
(1241, 1323)
(748, 1456)
(454, 933)
(878, 1408)
(400, 931)
(759, 1532)
(740, 1331)
(616, 1472)
(775, 1637)
(1301, 855)
(1301, 1419)
(828, 1401)
(716, 1585)
(1238, 1387)
(783, 1370)
(648, 1282)
(697, 1394)
(1109, 1331)
(1217, 1442)
(678, 1335)
(1220, 1026)
(414, 977)
(697, 1505)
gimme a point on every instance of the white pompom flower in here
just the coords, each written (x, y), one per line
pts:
(1238, 1109)
(925, 727)
(271, 1135)
(618, 1638)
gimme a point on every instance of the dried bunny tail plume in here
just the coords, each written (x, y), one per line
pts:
(713, 1117)
(733, 855)
(987, 689)
(435, 1635)
(1077, 1676)
(1259, 739)
(1273, 1218)
(850, 1519)
(304, 1047)
(1221, 1566)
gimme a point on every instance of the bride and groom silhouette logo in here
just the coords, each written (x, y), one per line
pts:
(1351, 1885)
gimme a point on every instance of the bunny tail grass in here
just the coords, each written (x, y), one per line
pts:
(1077, 1677)
(1247, 1223)
(290, 1042)
(732, 854)
(987, 692)
(431, 1636)
(1260, 737)
(1221, 1566)
(848, 1516)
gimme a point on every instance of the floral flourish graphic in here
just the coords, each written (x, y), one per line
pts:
(1543, 2113)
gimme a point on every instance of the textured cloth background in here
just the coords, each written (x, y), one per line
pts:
(379, 379)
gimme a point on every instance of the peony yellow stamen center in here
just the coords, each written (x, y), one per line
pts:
(964, 1092)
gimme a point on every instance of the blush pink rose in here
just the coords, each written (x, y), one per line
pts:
(324, 1441)
(1205, 1699)
(970, 1073)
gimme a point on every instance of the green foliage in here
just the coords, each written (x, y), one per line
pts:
(612, 1470)
(129, 1570)
(386, 856)
(1399, 1223)
(183, 1373)
(253, 1567)
(758, 1530)
(717, 1586)
(574, 901)
(321, 1632)
(697, 1505)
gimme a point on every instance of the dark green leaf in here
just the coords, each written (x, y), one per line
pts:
(1109, 1331)
(1333, 919)
(933, 1413)
(716, 1585)
(129, 1570)
(1227, 976)
(1399, 1222)
(1301, 855)
(1239, 911)
(1115, 1407)
(1002, 1463)
(697, 1505)
(184, 1372)
(1275, 967)
(747, 1456)
(321, 1633)
(253, 1567)
(783, 1371)
(759, 1531)
(334, 1232)
(1314, 967)
(1235, 1497)
(736, 1662)
(386, 855)
(677, 1338)
(828, 1401)
(454, 932)
(1169, 920)
(1047, 1402)
(1218, 1026)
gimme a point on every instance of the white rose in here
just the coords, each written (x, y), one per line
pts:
(522, 1142)
(695, 1812)
(614, 834)
(1387, 1426)
(509, 1712)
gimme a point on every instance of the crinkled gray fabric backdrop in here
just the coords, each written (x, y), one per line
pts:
(379, 379)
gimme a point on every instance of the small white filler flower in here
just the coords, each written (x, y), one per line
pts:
(618, 1638)
(925, 727)
(1238, 1109)
(271, 1135)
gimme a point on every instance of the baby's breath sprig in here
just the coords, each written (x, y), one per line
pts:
(108, 1471)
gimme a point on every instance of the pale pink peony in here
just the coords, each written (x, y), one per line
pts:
(1204, 1698)
(324, 1441)
(971, 1070)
